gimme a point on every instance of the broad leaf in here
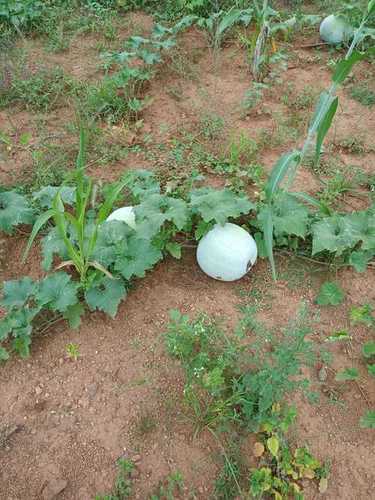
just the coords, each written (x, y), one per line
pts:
(371, 370)
(330, 294)
(14, 210)
(47, 194)
(53, 244)
(73, 315)
(218, 205)
(17, 293)
(4, 355)
(333, 234)
(273, 445)
(157, 209)
(139, 256)
(290, 216)
(57, 292)
(111, 242)
(174, 249)
(105, 294)
(359, 259)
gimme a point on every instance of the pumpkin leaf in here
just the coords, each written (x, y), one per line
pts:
(105, 294)
(330, 294)
(14, 210)
(218, 205)
(57, 292)
(18, 292)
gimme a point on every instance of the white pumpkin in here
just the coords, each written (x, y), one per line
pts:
(227, 252)
(125, 214)
(335, 30)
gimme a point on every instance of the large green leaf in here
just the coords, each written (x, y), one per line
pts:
(332, 234)
(157, 209)
(17, 293)
(57, 292)
(73, 314)
(139, 256)
(14, 210)
(105, 294)
(218, 205)
(290, 216)
(53, 244)
(47, 194)
(330, 294)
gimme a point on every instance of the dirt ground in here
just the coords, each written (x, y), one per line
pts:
(70, 420)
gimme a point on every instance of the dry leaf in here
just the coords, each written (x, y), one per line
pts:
(323, 485)
(258, 449)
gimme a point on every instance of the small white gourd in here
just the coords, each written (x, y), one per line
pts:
(124, 214)
(226, 252)
(335, 30)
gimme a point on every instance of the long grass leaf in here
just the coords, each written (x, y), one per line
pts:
(39, 223)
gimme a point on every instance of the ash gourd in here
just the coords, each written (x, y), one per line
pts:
(227, 252)
(124, 214)
(335, 30)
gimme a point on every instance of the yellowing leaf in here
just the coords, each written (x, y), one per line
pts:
(323, 485)
(258, 449)
(273, 445)
(309, 474)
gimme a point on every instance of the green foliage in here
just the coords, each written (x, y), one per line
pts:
(220, 386)
(213, 205)
(72, 351)
(20, 13)
(368, 349)
(330, 294)
(362, 314)
(328, 234)
(24, 301)
(368, 420)
(41, 91)
(218, 23)
(171, 486)
(123, 483)
(15, 209)
(281, 471)
(363, 95)
(347, 374)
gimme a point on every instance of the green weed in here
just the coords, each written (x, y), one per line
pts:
(123, 483)
(363, 94)
(41, 91)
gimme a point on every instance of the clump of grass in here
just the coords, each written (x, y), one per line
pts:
(40, 91)
(363, 94)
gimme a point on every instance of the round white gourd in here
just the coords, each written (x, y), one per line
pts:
(335, 30)
(226, 252)
(124, 214)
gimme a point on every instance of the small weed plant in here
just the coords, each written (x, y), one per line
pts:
(232, 383)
